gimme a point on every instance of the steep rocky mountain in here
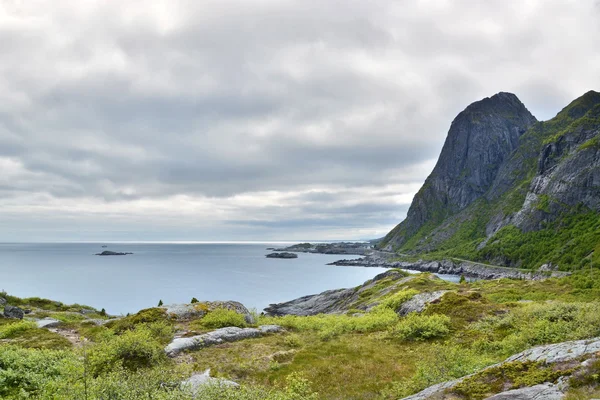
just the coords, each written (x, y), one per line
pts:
(511, 190)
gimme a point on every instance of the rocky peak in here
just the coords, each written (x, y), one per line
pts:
(480, 139)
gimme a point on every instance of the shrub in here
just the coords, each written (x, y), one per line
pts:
(147, 315)
(193, 300)
(421, 327)
(12, 330)
(221, 318)
(395, 300)
(132, 350)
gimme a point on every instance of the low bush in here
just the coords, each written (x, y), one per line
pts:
(329, 325)
(421, 327)
(12, 330)
(220, 318)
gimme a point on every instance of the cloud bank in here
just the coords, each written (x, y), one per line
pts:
(257, 120)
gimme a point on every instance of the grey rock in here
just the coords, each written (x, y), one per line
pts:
(112, 253)
(420, 301)
(449, 267)
(333, 301)
(552, 353)
(48, 323)
(13, 312)
(185, 312)
(229, 334)
(197, 381)
(546, 391)
(2, 301)
(480, 139)
(282, 255)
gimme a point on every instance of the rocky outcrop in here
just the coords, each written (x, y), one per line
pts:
(358, 248)
(197, 381)
(13, 312)
(229, 334)
(337, 301)
(573, 351)
(480, 139)
(112, 253)
(282, 255)
(450, 267)
(420, 301)
(547, 391)
(2, 301)
(186, 312)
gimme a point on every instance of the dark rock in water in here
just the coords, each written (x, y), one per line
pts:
(27, 311)
(111, 253)
(13, 312)
(105, 246)
(282, 255)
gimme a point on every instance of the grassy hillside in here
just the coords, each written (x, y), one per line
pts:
(373, 355)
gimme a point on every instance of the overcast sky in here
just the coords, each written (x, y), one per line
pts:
(257, 120)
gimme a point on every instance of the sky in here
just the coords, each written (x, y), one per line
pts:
(257, 119)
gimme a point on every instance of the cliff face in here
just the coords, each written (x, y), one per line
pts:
(502, 178)
(479, 141)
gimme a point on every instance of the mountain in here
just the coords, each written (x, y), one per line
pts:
(510, 190)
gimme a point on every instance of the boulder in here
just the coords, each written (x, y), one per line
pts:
(48, 323)
(196, 381)
(229, 334)
(13, 312)
(420, 301)
(2, 301)
(284, 254)
(186, 312)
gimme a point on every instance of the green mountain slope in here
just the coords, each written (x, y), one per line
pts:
(528, 203)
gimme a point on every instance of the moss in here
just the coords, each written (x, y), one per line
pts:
(508, 376)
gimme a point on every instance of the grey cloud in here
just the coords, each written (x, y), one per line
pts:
(119, 104)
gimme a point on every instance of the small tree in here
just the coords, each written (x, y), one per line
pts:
(103, 312)
(194, 300)
(462, 279)
(160, 303)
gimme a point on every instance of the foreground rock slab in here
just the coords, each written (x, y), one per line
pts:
(539, 392)
(229, 334)
(552, 353)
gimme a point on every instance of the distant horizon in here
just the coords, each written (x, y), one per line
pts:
(188, 241)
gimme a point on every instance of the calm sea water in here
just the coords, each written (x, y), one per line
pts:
(173, 273)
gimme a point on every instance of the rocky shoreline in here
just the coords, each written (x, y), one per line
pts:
(355, 248)
(451, 267)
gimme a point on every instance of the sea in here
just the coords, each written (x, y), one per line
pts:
(171, 272)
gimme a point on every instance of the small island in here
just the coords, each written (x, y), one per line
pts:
(282, 255)
(111, 253)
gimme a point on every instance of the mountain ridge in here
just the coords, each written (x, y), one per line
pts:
(502, 174)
